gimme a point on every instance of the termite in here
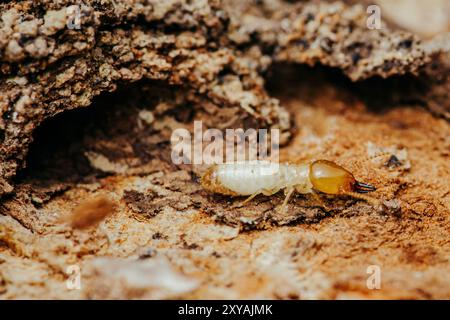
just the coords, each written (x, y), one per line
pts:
(250, 178)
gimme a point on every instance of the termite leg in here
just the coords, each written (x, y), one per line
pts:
(243, 203)
(320, 201)
(265, 192)
(289, 193)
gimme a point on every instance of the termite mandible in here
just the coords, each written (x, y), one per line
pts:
(250, 178)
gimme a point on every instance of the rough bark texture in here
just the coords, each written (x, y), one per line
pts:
(86, 177)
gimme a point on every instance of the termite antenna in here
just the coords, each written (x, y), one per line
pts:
(374, 202)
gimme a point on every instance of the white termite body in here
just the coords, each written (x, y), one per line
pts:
(259, 176)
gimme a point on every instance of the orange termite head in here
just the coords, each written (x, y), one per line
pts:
(330, 178)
